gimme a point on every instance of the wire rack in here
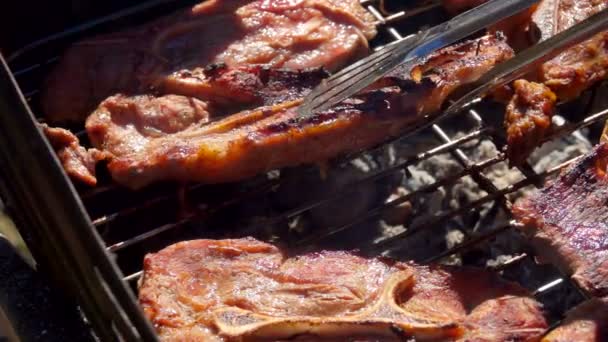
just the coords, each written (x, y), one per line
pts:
(130, 221)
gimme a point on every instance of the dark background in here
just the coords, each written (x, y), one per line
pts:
(24, 21)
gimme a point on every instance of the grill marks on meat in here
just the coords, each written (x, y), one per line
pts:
(587, 322)
(230, 87)
(294, 34)
(78, 162)
(229, 290)
(528, 119)
(567, 222)
(159, 129)
(252, 142)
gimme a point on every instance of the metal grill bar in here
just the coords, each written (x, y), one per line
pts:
(378, 210)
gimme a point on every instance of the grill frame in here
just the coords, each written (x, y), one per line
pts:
(62, 234)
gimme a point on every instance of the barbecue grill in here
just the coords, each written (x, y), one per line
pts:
(92, 240)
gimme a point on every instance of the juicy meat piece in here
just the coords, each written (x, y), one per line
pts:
(527, 119)
(587, 322)
(567, 222)
(294, 34)
(144, 117)
(581, 66)
(251, 142)
(78, 162)
(234, 290)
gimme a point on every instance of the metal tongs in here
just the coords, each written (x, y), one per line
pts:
(413, 49)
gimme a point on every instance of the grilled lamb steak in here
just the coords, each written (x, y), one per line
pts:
(587, 322)
(567, 222)
(294, 34)
(235, 290)
(269, 137)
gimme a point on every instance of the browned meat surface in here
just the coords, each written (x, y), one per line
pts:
(587, 322)
(581, 66)
(234, 290)
(567, 222)
(294, 34)
(78, 162)
(528, 119)
(251, 142)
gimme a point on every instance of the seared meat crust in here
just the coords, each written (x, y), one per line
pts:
(269, 137)
(567, 222)
(294, 34)
(233, 290)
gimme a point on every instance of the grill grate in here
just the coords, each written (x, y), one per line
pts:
(129, 222)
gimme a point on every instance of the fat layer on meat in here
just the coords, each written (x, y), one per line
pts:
(254, 141)
(567, 222)
(244, 289)
(294, 34)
